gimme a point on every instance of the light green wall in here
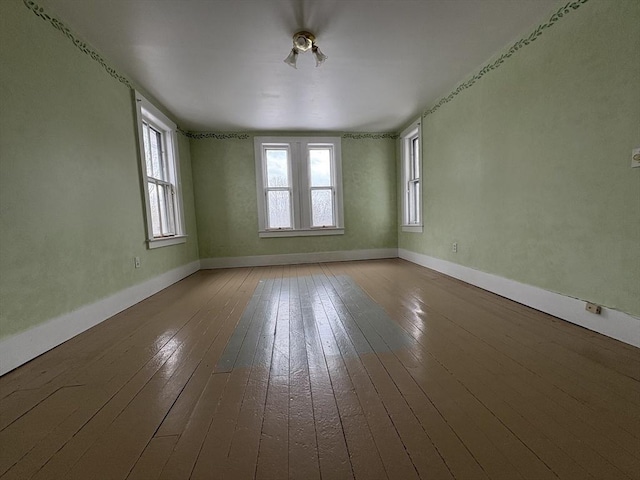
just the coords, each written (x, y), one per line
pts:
(71, 211)
(226, 205)
(529, 169)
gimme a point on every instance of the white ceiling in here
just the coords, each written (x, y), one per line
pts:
(218, 64)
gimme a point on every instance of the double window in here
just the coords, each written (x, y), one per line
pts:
(299, 186)
(411, 179)
(161, 175)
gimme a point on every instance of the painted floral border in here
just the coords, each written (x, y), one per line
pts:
(82, 46)
(523, 42)
(373, 136)
(245, 136)
(217, 136)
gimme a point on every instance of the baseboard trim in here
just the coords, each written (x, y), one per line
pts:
(612, 323)
(22, 347)
(298, 258)
(18, 349)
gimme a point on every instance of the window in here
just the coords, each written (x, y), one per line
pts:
(411, 175)
(299, 184)
(161, 175)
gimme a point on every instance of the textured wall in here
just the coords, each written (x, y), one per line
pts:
(70, 195)
(226, 205)
(529, 169)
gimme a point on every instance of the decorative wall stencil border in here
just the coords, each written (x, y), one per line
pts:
(217, 136)
(245, 136)
(39, 11)
(562, 11)
(82, 46)
(373, 136)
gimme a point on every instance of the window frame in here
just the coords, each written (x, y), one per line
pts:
(409, 161)
(147, 113)
(298, 164)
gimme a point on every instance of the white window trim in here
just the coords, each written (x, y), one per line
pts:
(413, 228)
(300, 187)
(146, 110)
(413, 130)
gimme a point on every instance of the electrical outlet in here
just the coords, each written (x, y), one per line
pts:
(593, 308)
(454, 247)
(136, 262)
(635, 157)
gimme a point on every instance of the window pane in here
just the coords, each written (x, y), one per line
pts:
(417, 202)
(277, 168)
(171, 211)
(279, 209)
(154, 164)
(415, 157)
(155, 209)
(147, 148)
(166, 210)
(322, 208)
(414, 202)
(320, 167)
(152, 139)
(163, 209)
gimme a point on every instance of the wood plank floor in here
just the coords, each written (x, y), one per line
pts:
(367, 370)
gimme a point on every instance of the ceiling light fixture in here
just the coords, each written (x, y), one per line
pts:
(303, 42)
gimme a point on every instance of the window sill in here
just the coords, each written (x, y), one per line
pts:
(412, 228)
(300, 233)
(165, 242)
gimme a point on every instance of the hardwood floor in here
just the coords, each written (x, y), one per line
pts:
(373, 369)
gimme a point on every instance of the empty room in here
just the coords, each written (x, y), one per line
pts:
(319, 239)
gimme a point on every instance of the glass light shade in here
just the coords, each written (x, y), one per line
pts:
(320, 57)
(292, 58)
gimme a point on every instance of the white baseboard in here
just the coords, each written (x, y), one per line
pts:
(612, 323)
(297, 258)
(18, 349)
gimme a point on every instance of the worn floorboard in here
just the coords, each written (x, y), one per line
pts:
(366, 370)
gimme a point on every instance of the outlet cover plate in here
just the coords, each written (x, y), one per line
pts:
(635, 157)
(593, 308)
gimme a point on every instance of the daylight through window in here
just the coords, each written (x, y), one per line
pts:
(411, 178)
(299, 186)
(160, 172)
